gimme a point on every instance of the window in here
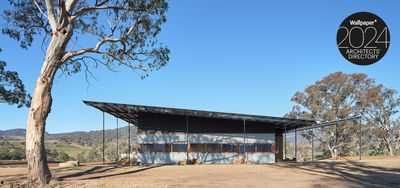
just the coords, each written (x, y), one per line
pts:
(151, 148)
(229, 148)
(179, 147)
(213, 148)
(198, 148)
(205, 148)
(264, 147)
(250, 148)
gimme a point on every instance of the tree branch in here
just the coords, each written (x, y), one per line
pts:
(101, 42)
(86, 9)
(51, 15)
(41, 11)
(93, 50)
(70, 5)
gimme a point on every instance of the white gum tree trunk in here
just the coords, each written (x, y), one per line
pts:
(38, 170)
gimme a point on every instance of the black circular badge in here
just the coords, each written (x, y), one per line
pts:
(363, 38)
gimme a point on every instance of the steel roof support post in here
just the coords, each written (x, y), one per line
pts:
(129, 139)
(312, 144)
(117, 143)
(336, 140)
(285, 144)
(244, 139)
(360, 150)
(187, 137)
(295, 144)
(103, 137)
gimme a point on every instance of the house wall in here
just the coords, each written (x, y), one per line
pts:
(205, 157)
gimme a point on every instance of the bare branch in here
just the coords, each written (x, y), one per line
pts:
(86, 9)
(101, 42)
(93, 50)
(41, 11)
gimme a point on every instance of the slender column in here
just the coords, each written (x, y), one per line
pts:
(285, 144)
(103, 136)
(336, 139)
(244, 139)
(187, 137)
(129, 138)
(129, 143)
(117, 142)
(295, 144)
(312, 145)
(360, 139)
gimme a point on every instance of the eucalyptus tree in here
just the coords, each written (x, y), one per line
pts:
(113, 33)
(383, 119)
(336, 96)
(12, 90)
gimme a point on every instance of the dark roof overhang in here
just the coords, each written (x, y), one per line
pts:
(129, 113)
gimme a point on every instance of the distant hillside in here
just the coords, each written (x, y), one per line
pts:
(14, 133)
(80, 137)
(92, 137)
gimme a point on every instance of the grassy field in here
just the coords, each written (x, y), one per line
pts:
(70, 149)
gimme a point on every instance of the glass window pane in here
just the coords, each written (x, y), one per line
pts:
(229, 148)
(264, 147)
(250, 148)
(151, 148)
(198, 148)
(213, 148)
(179, 147)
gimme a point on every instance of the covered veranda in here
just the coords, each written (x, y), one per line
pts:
(197, 121)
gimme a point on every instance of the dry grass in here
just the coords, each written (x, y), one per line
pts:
(367, 173)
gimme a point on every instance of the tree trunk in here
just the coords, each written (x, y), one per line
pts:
(332, 153)
(38, 170)
(336, 153)
(389, 146)
(390, 149)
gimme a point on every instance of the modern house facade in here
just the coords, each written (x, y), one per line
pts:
(170, 135)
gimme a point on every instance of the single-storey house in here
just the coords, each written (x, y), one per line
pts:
(170, 135)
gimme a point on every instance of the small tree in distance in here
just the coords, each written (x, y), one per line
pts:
(125, 33)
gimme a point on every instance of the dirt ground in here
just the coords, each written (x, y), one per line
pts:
(366, 173)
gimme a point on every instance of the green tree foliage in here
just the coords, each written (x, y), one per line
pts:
(58, 156)
(126, 31)
(10, 152)
(81, 157)
(336, 96)
(339, 96)
(12, 90)
(382, 114)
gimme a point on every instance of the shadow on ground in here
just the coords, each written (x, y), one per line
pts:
(356, 172)
(97, 172)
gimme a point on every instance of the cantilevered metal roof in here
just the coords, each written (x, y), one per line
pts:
(129, 113)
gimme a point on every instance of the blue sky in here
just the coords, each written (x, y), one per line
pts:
(234, 56)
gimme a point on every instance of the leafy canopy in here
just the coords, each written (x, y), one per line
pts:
(123, 31)
(12, 90)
